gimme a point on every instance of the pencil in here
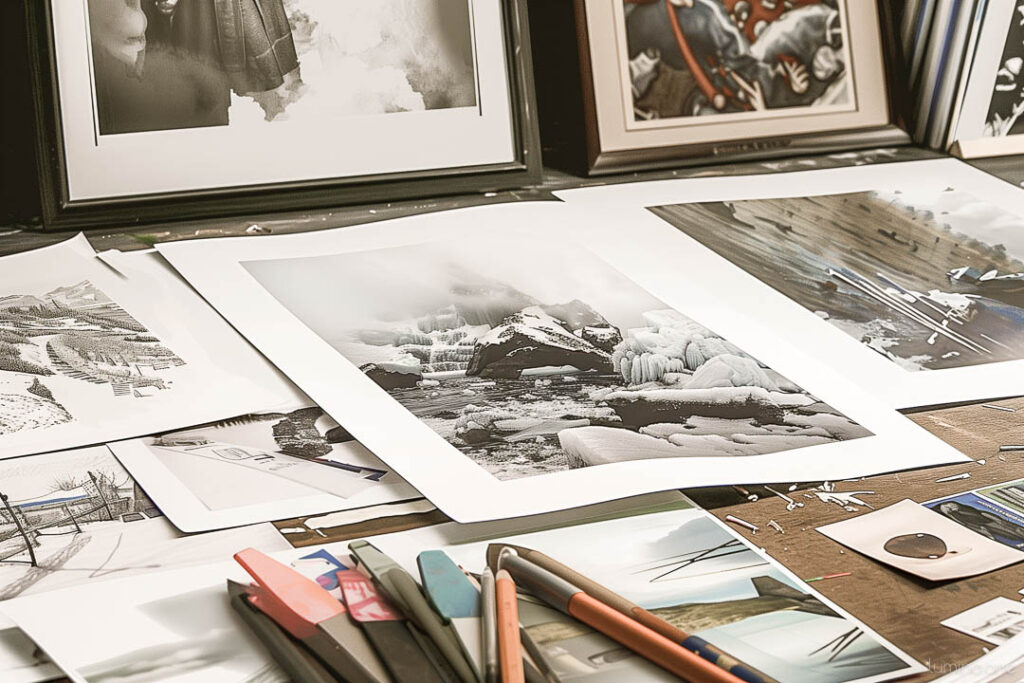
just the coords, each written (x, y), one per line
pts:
(569, 599)
(696, 644)
(510, 651)
(489, 616)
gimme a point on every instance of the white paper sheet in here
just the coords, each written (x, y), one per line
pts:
(204, 478)
(974, 205)
(914, 539)
(21, 661)
(90, 523)
(340, 293)
(90, 356)
(996, 621)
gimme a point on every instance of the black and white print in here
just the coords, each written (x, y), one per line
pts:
(75, 333)
(532, 361)
(1007, 104)
(930, 279)
(179, 64)
(78, 516)
(291, 461)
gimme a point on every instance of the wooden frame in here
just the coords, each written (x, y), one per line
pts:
(589, 156)
(61, 212)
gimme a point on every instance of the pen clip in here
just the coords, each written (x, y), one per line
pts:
(294, 602)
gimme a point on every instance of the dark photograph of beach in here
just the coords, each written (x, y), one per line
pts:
(930, 280)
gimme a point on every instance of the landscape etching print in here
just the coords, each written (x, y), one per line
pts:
(72, 336)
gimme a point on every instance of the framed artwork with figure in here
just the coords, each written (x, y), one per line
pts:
(156, 110)
(670, 82)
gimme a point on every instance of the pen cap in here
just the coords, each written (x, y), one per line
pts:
(296, 603)
(542, 583)
(449, 590)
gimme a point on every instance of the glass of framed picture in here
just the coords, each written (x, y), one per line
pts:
(667, 82)
(174, 109)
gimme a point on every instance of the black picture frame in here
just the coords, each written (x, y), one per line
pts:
(570, 135)
(59, 212)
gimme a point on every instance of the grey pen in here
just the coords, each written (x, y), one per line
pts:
(489, 616)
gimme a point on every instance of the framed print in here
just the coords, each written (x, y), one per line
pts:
(679, 81)
(991, 122)
(174, 109)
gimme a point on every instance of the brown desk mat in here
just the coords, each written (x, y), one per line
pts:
(903, 609)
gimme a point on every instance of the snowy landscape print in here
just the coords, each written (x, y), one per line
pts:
(930, 279)
(532, 360)
(66, 342)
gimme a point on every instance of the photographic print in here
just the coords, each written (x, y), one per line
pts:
(995, 621)
(928, 279)
(282, 463)
(683, 566)
(178, 64)
(77, 516)
(700, 58)
(536, 361)
(982, 517)
(923, 542)
(89, 354)
(1006, 105)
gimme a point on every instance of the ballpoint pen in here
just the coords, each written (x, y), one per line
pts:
(489, 614)
(385, 627)
(403, 590)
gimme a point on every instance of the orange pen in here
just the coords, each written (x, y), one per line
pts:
(649, 644)
(510, 654)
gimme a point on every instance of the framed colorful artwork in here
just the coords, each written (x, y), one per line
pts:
(669, 82)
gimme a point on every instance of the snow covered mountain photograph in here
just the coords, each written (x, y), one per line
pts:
(930, 279)
(534, 359)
